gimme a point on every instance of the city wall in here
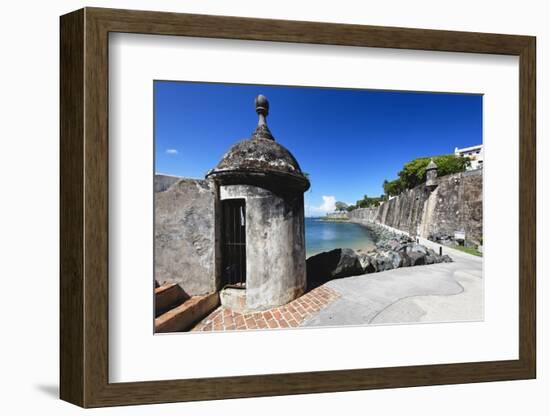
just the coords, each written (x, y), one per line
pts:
(455, 205)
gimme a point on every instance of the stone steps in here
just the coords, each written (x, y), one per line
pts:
(183, 316)
(168, 296)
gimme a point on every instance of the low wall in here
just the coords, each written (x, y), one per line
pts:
(456, 204)
(336, 216)
(185, 234)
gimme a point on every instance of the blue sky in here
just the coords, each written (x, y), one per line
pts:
(348, 140)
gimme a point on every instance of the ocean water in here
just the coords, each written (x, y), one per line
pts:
(327, 235)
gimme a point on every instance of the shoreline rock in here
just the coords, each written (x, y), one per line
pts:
(333, 264)
(392, 251)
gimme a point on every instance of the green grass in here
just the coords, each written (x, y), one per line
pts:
(469, 250)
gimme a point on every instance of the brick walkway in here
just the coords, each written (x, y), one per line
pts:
(290, 315)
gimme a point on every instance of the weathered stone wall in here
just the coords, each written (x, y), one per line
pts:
(456, 204)
(337, 216)
(163, 182)
(185, 233)
(275, 245)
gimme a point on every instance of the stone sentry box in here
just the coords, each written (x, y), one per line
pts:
(268, 179)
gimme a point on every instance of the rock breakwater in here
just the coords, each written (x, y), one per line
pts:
(391, 252)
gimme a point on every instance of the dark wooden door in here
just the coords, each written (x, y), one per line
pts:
(234, 243)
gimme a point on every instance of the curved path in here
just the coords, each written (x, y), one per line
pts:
(436, 293)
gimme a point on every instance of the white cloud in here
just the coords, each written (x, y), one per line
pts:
(327, 206)
(171, 151)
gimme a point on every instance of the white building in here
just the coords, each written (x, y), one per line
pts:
(474, 153)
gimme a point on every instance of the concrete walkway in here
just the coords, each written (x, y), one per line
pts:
(444, 292)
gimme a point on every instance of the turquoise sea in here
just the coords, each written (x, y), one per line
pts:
(326, 235)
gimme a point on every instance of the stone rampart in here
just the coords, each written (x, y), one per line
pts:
(455, 205)
(185, 233)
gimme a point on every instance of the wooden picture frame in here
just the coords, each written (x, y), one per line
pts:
(84, 207)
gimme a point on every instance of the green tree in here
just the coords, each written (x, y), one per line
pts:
(368, 201)
(414, 172)
(394, 187)
(340, 206)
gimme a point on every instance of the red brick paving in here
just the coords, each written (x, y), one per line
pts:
(290, 315)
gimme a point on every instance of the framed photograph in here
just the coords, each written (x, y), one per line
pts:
(255, 207)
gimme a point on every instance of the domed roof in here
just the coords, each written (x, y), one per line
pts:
(260, 160)
(431, 165)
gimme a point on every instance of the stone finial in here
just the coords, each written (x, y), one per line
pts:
(431, 165)
(262, 105)
(262, 109)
